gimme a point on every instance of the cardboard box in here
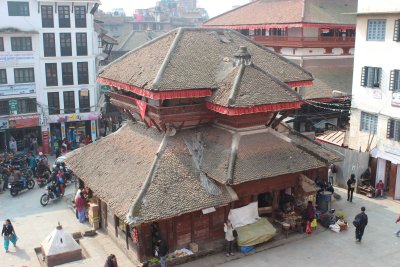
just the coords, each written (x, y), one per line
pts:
(194, 247)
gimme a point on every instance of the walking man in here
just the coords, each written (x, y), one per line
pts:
(351, 184)
(360, 222)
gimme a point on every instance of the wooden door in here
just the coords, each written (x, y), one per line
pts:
(392, 184)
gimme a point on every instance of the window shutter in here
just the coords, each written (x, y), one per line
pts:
(390, 128)
(396, 34)
(391, 84)
(363, 76)
(379, 70)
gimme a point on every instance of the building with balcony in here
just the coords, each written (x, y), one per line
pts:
(375, 116)
(48, 64)
(316, 34)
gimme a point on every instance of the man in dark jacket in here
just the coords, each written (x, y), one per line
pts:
(162, 252)
(360, 222)
(351, 184)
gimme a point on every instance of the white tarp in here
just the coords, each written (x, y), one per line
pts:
(244, 215)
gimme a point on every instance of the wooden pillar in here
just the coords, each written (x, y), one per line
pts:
(392, 184)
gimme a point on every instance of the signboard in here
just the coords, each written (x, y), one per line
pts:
(93, 130)
(13, 106)
(23, 121)
(15, 57)
(63, 131)
(45, 141)
(73, 117)
(396, 99)
(17, 89)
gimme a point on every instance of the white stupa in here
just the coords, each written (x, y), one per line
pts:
(59, 247)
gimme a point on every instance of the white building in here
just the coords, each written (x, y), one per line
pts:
(375, 118)
(48, 64)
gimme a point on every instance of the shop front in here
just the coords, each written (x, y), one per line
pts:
(25, 129)
(74, 127)
(387, 169)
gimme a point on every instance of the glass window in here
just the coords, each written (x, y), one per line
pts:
(3, 76)
(371, 77)
(393, 130)
(376, 30)
(69, 102)
(83, 73)
(81, 44)
(16, 8)
(49, 44)
(369, 122)
(27, 105)
(64, 17)
(1, 44)
(47, 16)
(51, 74)
(65, 44)
(21, 43)
(4, 107)
(67, 74)
(53, 102)
(24, 75)
(80, 16)
(84, 101)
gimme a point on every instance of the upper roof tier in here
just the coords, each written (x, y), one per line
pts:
(288, 12)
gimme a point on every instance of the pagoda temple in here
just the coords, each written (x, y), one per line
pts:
(205, 136)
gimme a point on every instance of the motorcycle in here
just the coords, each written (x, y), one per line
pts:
(43, 178)
(52, 193)
(17, 186)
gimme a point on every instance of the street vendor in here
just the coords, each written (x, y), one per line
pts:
(379, 189)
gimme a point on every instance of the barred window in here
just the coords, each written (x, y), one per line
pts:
(81, 44)
(51, 74)
(369, 122)
(394, 84)
(4, 107)
(49, 45)
(47, 16)
(53, 102)
(80, 16)
(67, 74)
(83, 73)
(16, 8)
(376, 30)
(24, 75)
(69, 102)
(3, 76)
(64, 17)
(65, 44)
(396, 33)
(371, 77)
(21, 43)
(84, 101)
(27, 105)
(393, 130)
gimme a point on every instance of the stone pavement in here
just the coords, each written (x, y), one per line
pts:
(380, 247)
(33, 223)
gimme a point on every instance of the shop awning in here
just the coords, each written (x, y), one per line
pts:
(377, 153)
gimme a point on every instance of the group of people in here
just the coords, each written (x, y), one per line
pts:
(29, 143)
(81, 202)
(71, 141)
(351, 185)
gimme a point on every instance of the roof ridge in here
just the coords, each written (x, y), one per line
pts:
(126, 40)
(229, 11)
(235, 86)
(136, 49)
(167, 58)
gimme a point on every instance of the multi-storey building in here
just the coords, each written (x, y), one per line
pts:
(48, 51)
(375, 117)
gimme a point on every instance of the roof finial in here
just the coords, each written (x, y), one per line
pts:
(242, 56)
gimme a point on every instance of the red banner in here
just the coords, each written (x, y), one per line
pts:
(142, 107)
(23, 121)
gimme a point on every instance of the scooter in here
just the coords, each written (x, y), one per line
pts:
(52, 193)
(17, 186)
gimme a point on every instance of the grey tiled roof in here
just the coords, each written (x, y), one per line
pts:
(192, 58)
(249, 86)
(288, 11)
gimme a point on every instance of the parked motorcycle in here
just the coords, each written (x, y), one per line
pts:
(52, 193)
(17, 186)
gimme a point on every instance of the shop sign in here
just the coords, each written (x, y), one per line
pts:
(22, 89)
(105, 88)
(4, 123)
(377, 93)
(84, 92)
(23, 121)
(396, 99)
(43, 119)
(93, 130)
(13, 106)
(15, 57)
(73, 117)
(45, 141)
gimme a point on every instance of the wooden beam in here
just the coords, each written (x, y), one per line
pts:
(272, 119)
(155, 124)
(276, 122)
